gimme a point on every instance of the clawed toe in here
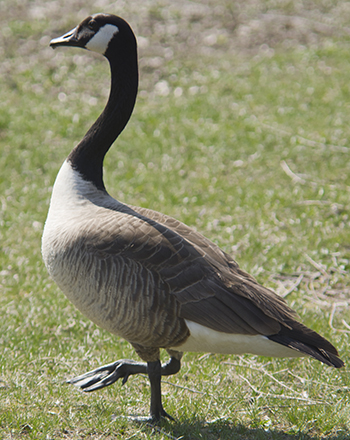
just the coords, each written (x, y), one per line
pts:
(151, 420)
(108, 374)
(167, 416)
(98, 378)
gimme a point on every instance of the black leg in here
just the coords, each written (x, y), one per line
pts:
(155, 373)
(172, 367)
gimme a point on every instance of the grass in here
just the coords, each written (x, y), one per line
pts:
(240, 130)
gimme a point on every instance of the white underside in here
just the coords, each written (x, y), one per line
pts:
(204, 339)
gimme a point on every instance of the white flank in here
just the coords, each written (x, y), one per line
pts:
(204, 339)
(99, 42)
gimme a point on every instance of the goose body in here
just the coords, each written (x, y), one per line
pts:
(145, 276)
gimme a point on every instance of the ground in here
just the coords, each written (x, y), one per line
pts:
(240, 130)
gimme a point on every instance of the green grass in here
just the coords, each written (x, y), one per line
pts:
(250, 145)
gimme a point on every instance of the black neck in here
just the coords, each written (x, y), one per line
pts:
(87, 157)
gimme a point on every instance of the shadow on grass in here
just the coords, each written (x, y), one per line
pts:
(223, 430)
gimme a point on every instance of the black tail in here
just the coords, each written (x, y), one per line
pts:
(301, 338)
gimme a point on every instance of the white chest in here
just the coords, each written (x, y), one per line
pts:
(74, 203)
(73, 220)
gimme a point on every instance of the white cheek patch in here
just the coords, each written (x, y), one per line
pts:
(99, 42)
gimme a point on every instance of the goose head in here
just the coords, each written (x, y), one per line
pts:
(112, 37)
(100, 33)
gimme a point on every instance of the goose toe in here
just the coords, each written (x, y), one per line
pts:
(108, 374)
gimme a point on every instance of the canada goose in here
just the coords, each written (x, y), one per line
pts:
(145, 276)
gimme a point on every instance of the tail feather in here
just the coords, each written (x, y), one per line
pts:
(301, 338)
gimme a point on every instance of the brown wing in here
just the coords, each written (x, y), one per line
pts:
(208, 283)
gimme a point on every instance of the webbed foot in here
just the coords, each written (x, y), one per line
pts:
(107, 374)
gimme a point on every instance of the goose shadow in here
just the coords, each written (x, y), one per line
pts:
(225, 430)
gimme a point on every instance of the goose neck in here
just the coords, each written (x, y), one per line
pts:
(87, 157)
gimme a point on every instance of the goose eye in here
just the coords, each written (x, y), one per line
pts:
(92, 25)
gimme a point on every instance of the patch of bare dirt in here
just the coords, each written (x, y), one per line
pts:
(164, 27)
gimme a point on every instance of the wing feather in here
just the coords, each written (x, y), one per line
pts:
(207, 282)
